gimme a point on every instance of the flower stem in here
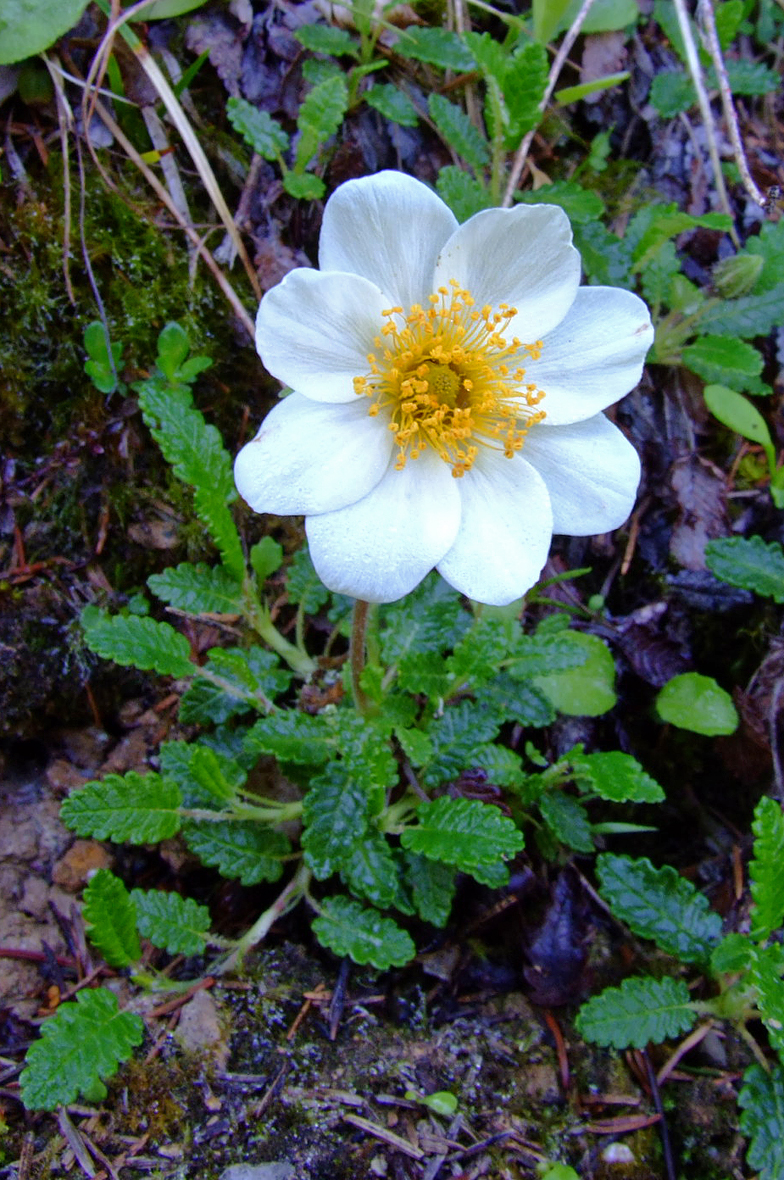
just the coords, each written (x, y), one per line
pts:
(291, 895)
(357, 653)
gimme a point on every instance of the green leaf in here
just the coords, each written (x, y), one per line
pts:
(732, 954)
(697, 703)
(111, 919)
(559, 1172)
(416, 745)
(524, 83)
(502, 766)
(363, 744)
(639, 1011)
(241, 850)
(726, 359)
(424, 672)
(454, 738)
(480, 651)
(369, 870)
(752, 315)
(266, 557)
(765, 974)
(751, 77)
(431, 618)
(728, 18)
(198, 589)
(767, 879)
(435, 47)
(198, 458)
(432, 885)
(348, 928)
(666, 223)
(582, 205)
(250, 679)
(164, 9)
(320, 69)
(762, 1102)
(462, 832)
(508, 699)
(218, 776)
(173, 348)
(304, 186)
(614, 776)
(327, 39)
(178, 924)
(80, 1046)
(672, 92)
(567, 820)
(488, 53)
(545, 652)
(464, 195)
(659, 904)
(29, 26)
(769, 245)
(549, 17)
(393, 104)
(137, 642)
(457, 130)
(658, 276)
(178, 760)
(570, 94)
(335, 814)
(606, 16)
(320, 117)
(604, 255)
(303, 585)
(291, 737)
(738, 414)
(750, 563)
(130, 808)
(587, 691)
(99, 368)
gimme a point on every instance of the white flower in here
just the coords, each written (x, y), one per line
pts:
(448, 386)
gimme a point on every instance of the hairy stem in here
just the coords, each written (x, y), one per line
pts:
(357, 655)
(290, 897)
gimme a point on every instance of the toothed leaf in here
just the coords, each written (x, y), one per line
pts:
(80, 1046)
(348, 928)
(130, 808)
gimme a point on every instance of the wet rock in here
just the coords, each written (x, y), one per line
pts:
(73, 870)
(276, 1171)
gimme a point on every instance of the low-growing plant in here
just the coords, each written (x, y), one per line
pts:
(402, 778)
(741, 972)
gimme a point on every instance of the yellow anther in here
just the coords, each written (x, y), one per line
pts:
(447, 378)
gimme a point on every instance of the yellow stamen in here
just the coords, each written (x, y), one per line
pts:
(441, 376)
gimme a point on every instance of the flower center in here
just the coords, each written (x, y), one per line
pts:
(447, 378)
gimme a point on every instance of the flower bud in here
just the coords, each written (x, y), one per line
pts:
(733, 277)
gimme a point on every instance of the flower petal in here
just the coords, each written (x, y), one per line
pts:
(381, 547)
(591, 471)
(523, 257)
(314, 331)
(594, 357)
(389, 228)
(505, 531)
(311, 457)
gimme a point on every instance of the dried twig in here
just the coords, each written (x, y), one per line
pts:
(65, 124)
(555, 70)
(710, 37)
(163, 195)
(695, 69)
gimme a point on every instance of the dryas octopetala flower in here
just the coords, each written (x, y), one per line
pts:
(448, 381)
